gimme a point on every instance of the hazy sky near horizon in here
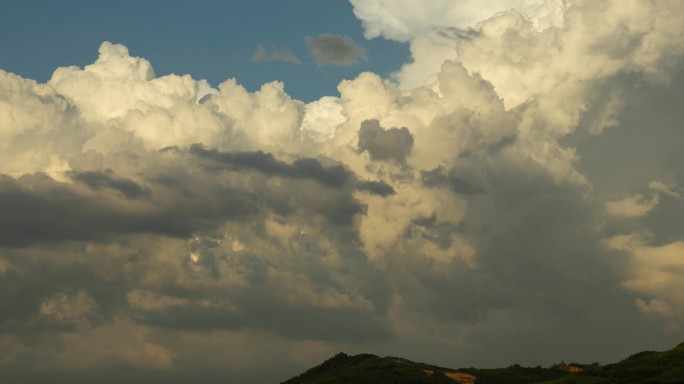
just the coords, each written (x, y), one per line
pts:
(238, 192)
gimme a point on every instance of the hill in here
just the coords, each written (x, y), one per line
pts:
(643, 367)
(370, 369)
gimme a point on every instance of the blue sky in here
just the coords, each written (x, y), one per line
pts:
(211, 40)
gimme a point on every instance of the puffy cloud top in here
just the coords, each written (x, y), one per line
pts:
(404, 20)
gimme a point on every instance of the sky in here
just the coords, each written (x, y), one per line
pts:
(212, 40)
(235, 193)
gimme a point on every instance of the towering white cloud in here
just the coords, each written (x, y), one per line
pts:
(40, 128)
(433, 29)
(404, 20)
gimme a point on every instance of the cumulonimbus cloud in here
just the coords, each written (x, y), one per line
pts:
(527, 190)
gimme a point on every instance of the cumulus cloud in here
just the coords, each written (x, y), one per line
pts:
(204, 231)
(403, 20)
(320, 119)
(434, 29)
(328, 49)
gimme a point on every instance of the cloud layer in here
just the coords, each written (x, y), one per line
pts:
(528, 194)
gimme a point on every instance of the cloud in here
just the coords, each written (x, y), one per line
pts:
(35, 113)
(212, 232)
(376, 187)
(334, 176)
(655, 275)
(403, 20)
(320, 119)
(634, 206)
(97, 180)
(73, 310)
(391, 144)
(276, 54)
(433, 30)
(40, 210)
(328, 49)
(668, 190)
(439, 177)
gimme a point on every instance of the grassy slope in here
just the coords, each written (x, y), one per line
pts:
(645, 367)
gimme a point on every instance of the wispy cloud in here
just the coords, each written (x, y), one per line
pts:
(275, 54)
(328, 49)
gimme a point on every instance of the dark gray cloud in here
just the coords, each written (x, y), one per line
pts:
(384, 144)
(97, 180)
(439, 177)
(117, 373)
(337, 50)
(40, 210)
(375, 187)
(38, 278)
(309, 185)
(306, 168)
(334, 176)
(531, 256)
(260, 311)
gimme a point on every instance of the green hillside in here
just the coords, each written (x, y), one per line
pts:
(644, 367)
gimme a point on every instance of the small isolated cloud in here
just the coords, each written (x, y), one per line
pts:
(338, 50)
(275, 54)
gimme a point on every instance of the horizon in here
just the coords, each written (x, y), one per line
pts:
(243, 190)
